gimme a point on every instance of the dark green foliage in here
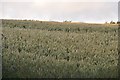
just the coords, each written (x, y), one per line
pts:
(24, 27)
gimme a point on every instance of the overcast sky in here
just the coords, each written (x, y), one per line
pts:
(60, 10)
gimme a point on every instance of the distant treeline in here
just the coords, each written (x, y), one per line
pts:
(112, 22)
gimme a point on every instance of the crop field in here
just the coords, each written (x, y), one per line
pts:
(39, 49)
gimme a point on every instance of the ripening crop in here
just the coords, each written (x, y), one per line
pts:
(36, 49)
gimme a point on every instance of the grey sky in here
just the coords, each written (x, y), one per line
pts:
(94, 11)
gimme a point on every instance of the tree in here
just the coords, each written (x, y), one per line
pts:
(118, 22)
(67, 21)
(106, 22)
(112, 22)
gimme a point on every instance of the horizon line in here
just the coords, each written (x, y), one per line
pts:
(58, 20)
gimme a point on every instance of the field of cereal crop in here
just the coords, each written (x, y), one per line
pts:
(38, 49)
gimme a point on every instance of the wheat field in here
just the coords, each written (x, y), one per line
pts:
(38, 49)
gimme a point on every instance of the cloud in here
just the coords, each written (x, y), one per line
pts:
(59, 0)
(75, 11)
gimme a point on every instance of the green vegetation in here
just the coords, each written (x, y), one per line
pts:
(37, 49)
